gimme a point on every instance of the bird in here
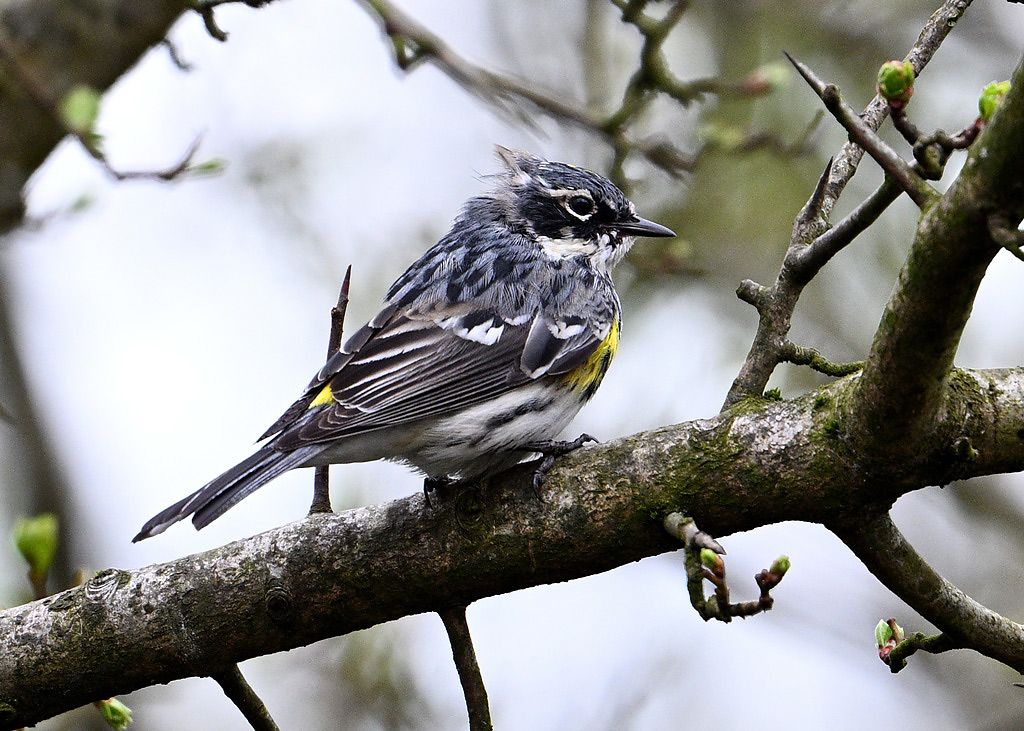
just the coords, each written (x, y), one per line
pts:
(483, 352)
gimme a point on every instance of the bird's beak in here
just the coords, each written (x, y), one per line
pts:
(642, 227)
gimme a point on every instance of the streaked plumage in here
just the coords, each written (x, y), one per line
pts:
(492, 340)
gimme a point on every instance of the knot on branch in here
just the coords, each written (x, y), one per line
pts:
(469, 510)
(1003, 230)
(103, 585)
(278, 601)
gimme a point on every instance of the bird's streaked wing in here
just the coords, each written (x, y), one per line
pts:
(410, 369)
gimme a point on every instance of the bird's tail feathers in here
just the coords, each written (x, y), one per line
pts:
(212, 500)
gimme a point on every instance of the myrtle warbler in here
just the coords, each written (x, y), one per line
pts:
(488, 345)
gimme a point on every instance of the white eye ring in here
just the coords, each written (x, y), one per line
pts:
(580, 205)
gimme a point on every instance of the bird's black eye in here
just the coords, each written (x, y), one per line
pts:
(581, 205)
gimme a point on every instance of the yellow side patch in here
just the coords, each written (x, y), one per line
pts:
(324, 397)
(587, 377)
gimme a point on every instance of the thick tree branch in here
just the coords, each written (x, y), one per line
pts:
(603, 506)
(902, 388)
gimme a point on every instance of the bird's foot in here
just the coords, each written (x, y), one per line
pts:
(438, 485)
(551, 450)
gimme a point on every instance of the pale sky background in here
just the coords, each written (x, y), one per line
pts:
(165, 326)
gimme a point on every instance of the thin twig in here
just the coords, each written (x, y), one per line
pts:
(176, 58)
(918, 190)
(469, 671)
(902, 123)
(684, 529)
(934, 32)
(810, 214)
(799, 355)
(807, 261)
(896, 656)
(932, 151)
(245, 699)
(321, 475)
(704, 564)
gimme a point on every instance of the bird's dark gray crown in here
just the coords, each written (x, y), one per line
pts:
(556, 200)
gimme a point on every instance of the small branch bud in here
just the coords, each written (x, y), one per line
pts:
(115, 713)
(36, 540)
(991, 96)
(896, 82)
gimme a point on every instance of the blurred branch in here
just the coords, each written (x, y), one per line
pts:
(43, 96)
(40, 40)
(38, 487)
(412, 44)
(307, 580)
(205, 8)
(175, 55)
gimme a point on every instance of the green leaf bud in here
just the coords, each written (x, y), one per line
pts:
(991, 96)
(780, 566)
(79, 109)
(883, 633)
(115, 713)
(36, 540)
(896, 81)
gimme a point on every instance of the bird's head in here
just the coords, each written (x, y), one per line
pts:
(570, 211)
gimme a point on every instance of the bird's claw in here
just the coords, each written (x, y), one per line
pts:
(551, 450)
(438, 485)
